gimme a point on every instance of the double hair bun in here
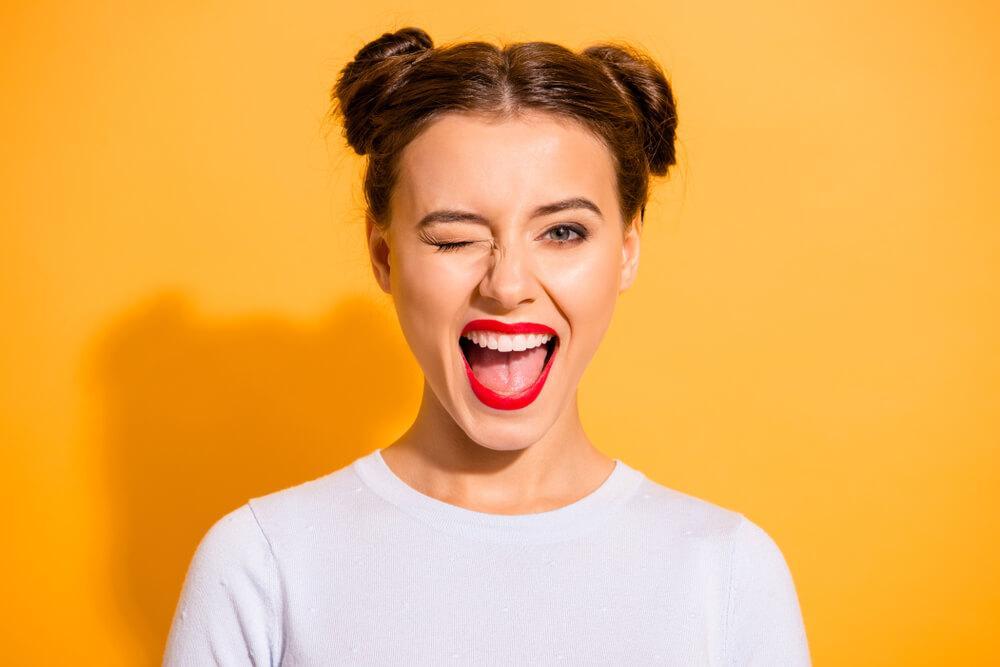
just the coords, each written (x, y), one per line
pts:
(367, 91)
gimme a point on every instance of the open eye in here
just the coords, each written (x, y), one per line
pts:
(565, 234)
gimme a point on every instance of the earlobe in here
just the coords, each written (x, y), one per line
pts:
(378, 252)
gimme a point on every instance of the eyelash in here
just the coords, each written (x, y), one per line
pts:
(581, 233)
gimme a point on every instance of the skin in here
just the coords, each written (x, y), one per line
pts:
(517, 268)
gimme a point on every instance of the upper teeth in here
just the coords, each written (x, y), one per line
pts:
(505, 343)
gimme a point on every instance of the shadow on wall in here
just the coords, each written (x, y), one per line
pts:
(197, 416)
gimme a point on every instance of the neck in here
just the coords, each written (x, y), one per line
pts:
(438, 458)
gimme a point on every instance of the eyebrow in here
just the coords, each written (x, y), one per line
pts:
(451, 215)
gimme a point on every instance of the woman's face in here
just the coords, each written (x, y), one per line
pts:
(531, 206)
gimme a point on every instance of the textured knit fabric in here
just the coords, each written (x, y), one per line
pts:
(359, 568)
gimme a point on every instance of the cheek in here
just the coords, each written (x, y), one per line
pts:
(586, 289)
(429, 282)
(429, 294)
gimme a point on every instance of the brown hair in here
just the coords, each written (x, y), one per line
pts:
(399, 82)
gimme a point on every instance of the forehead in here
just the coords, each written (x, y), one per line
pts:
(502, 165)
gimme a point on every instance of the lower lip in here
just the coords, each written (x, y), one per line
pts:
(509, 401)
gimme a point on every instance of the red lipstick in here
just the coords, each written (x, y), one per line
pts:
(507, 327)
(529, 394)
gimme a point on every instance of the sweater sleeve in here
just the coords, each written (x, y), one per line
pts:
(229, 607)
(764, 620)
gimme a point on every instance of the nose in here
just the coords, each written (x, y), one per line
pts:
(510, 279)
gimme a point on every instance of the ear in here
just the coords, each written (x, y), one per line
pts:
(630, 254)
(378, 252)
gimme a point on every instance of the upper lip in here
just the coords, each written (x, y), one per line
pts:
(508, 327)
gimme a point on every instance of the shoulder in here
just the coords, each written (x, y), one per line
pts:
(234, 542)
(749, 550)
(229, 606)
(742, 552)
(762, 619)
(675, 514)
(234, 595)
(756, 552)
(293, 517)
(247, 536)
(759, 571)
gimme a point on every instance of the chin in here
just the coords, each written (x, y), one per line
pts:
(504, 439)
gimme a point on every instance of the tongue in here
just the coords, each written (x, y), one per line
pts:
(506, 372)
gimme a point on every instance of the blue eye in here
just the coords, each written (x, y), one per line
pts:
(580, 232)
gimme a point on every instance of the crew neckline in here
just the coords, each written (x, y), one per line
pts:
(571, 520)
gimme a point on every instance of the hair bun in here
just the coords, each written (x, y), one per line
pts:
(364, 83)
(401, 42)
(644, 83)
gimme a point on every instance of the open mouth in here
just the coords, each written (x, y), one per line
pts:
(507, 379)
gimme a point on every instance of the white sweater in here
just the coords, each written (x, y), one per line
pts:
(359, 568)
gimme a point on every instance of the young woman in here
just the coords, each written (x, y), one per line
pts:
(506, 189)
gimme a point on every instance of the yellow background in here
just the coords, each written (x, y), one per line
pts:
(189, 318)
